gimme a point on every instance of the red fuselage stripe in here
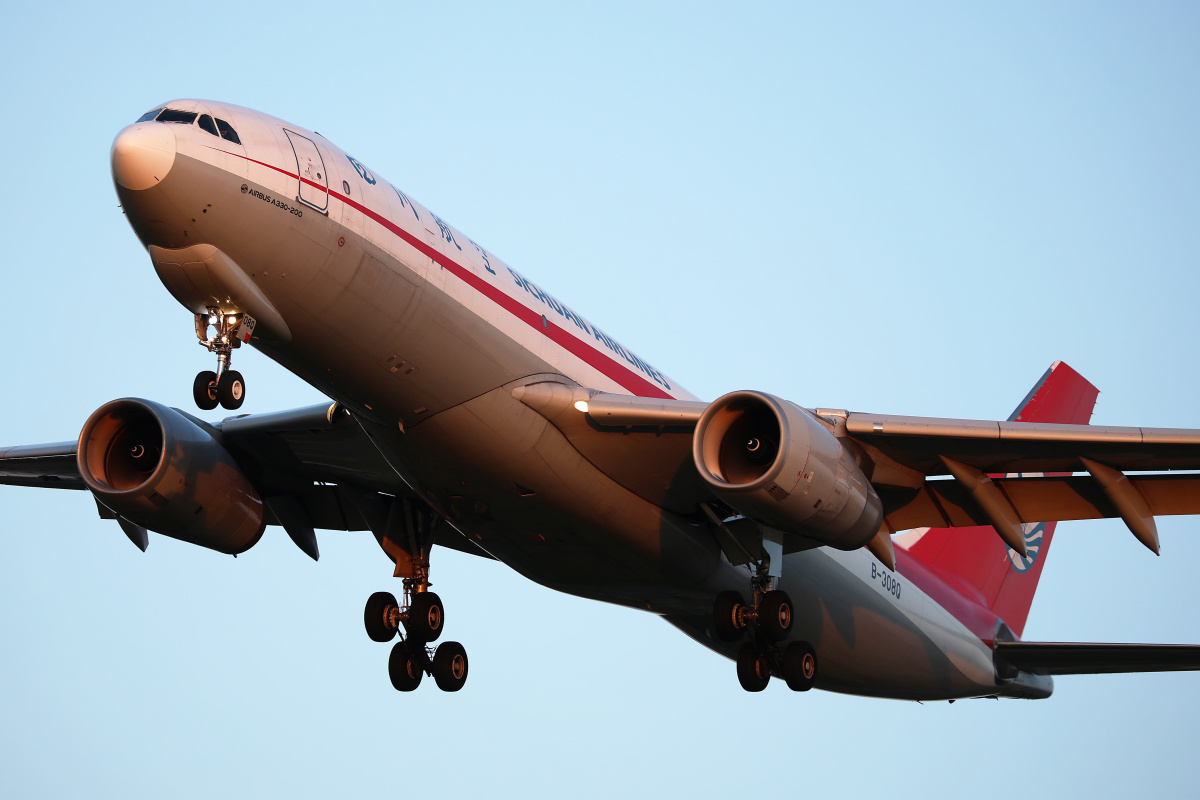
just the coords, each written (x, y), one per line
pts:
(562, 337)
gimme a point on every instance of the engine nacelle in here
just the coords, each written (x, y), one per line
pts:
(157, 468)
(776, 464)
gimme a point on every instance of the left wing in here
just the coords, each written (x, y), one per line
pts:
(315, 468)
(49, 465)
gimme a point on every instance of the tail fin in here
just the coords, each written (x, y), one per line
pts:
(1001, 578)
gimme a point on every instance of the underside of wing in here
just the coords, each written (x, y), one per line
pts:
(1037, 498)
(308, 468)
(954, 473)
(1076, 658)
(47, 465)
(927, 472)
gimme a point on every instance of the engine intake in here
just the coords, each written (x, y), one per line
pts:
(158, 468)
(778, 465)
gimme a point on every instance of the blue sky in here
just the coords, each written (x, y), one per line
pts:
(908, 209)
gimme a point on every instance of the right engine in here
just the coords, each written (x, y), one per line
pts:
(158, 468)
(778, 465)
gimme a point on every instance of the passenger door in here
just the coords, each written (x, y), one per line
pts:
(314, 178)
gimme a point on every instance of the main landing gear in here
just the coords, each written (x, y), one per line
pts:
(412, 658)
(407, 539)
(225, 386)
(768, 620)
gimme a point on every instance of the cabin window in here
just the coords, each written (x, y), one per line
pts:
(227, 131)
(174, 115)
(149, 115)
(345, 187)
(206, 123)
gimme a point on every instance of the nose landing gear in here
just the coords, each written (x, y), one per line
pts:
(225, 386)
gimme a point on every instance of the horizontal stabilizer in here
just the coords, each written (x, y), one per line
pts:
(1074, 658)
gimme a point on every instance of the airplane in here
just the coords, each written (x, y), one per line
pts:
(471, 409)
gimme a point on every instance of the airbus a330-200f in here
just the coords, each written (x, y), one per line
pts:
(472, 410)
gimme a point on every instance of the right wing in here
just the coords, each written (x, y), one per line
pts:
(929, 472)
(1010, 460)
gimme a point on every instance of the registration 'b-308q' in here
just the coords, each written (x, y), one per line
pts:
(471, 409)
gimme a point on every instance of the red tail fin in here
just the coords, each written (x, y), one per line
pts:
(1001, 579)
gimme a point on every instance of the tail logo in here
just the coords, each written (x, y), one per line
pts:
(1033, 546)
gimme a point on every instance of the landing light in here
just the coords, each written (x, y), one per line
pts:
(231, 320)
(582, 405)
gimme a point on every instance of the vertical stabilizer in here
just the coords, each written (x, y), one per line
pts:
(976, 558)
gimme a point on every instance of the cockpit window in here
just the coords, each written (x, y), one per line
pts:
(227, 131)
(217, 127)
(174, 115)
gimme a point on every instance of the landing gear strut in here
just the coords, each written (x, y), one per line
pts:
(769, 621)
(408, 537)
(225, 386)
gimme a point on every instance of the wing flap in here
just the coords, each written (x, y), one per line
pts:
(1078, 658)
(945, 504)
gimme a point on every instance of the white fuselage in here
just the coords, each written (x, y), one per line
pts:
(422, 333)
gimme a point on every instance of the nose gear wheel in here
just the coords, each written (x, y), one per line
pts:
(226, 386)
(204, 390)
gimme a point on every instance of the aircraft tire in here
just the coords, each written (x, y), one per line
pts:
(727, 613)
(404, 668)
(374, 617)
(231, 391)
(426, 617)
(204, 390)
(775, 615)
(753, 671)
(450, 666)
(799, 666)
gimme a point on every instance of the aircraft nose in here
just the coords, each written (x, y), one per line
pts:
(142, 155)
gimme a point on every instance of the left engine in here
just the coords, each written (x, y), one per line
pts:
(160, 469)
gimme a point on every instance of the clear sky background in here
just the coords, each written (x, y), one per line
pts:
(905, 208)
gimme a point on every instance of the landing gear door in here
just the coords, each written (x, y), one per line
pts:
(314, 179)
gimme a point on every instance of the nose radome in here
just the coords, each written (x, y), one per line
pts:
(143, 154)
